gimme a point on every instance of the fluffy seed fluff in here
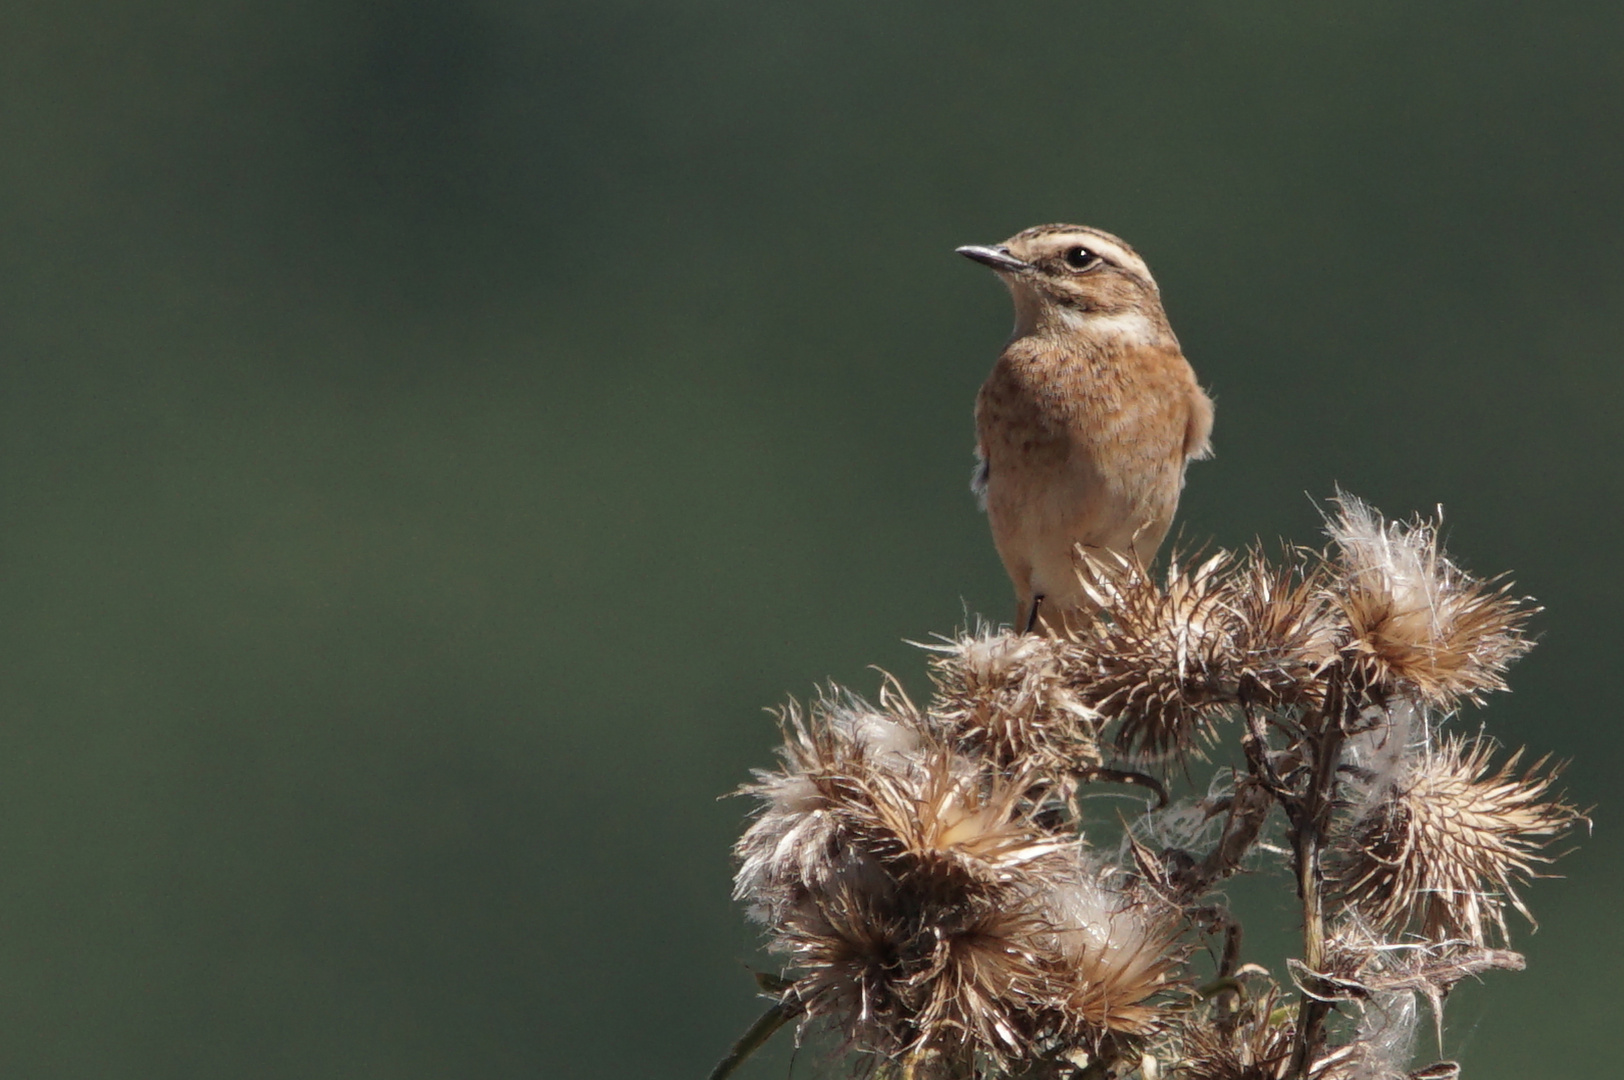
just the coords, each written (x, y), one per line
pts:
(1117, 949)
(795, 840)
(1416, 622)
(1443, 848)
(1382, 754)
(1384, 1038)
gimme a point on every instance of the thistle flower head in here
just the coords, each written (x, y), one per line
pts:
(1117, 951)
(795, 838)
(1285, 629)
(1254, 1042)
(943, 818)
(891, 871)
(1159, 660)
(1444, 849)
(1002, 696)
(1415, 620)
(938, 982)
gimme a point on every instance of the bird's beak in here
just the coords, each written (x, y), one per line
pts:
(998, 258)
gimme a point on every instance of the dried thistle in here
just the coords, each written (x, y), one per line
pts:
(1159, 662)
(890, 871)
(796, 838)
(1001, 695)
(923, 871)
(1445, 848)
(1251, 1041)
(1285, 629)
(1116, 949)
(927, 912)
(935, 981)
(945, 819)
(1416, 622)
(1381, 980)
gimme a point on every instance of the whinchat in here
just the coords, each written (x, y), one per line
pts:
(1088, 419)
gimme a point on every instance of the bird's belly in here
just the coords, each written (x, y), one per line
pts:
(1040, 514)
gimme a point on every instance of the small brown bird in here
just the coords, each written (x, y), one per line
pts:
(1089, 417)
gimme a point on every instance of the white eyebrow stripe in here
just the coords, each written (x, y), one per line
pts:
(1111, 252)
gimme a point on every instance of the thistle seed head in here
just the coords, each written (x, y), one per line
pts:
(928, 909)
(935, 983)
(1253, 1042)
(1158, 662)
(1416, 622)
(1002, 696)
(796, 837)
(1285, 629)
(1117, 950)
(1444, 849)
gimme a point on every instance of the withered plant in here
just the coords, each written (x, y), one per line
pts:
(945, 901)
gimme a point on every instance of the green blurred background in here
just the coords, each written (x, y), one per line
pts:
(431, 432)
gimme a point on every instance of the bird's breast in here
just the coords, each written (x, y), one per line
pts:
(1088, 443)
(1048, 402)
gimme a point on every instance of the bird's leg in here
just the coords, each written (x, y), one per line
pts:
(1031, 620)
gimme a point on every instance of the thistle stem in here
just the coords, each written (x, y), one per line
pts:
(1310, 819)
(752, 1040)
(1311, 1012)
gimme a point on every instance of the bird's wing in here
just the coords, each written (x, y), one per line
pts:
(1198, 426)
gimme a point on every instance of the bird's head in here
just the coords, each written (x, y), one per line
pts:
(1070, 279)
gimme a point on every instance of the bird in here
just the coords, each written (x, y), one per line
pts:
(1088, 419)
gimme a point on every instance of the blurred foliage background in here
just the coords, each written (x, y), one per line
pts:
(431, 432)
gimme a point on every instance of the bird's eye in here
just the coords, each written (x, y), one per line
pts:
(1080, 258)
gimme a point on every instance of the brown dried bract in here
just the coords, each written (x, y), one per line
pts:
(928, 911)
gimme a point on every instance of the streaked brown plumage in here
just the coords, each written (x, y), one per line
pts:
(1089, 417)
